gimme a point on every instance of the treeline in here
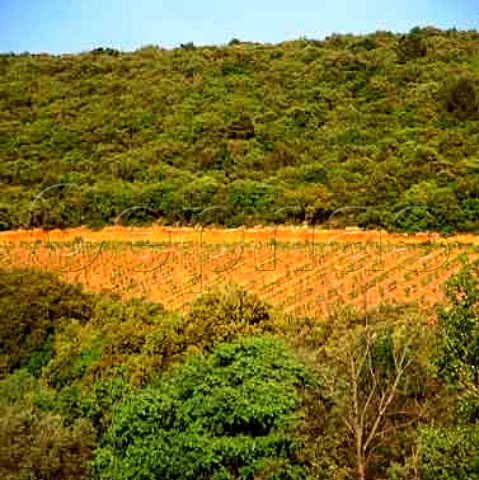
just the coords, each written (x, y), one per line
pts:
(95, 388)
(272, 133)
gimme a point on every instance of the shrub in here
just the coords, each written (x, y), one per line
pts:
(36, 446)
(449, 454)
(461, 99)
(32, 304)
(457, 359)
(119, 334)
(242, 128)
(410, 47)
(225, 315)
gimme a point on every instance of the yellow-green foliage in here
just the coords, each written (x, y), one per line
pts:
(143, 338)
(134, 335)
(225, 315)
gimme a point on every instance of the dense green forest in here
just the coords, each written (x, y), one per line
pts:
(383, 122)
(95, 388)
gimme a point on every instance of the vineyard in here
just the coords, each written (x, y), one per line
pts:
(242, 260)
(302, 271)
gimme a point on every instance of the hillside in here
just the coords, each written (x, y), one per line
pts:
(382, 121)
(248, 261)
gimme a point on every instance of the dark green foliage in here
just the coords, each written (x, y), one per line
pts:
(101, 399)
(410, 47)
(152, 127)
(106, 51)
(461, 99)
(242, 128)
(188, 46)
(380, 358)
(32, 306)
(451, 451)
(218, 417)
(94, 405)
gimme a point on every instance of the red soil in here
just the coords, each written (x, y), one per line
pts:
(304, 272)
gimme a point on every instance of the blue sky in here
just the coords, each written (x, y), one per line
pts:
(59, 26)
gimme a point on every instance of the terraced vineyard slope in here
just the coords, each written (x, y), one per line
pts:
(303, 271)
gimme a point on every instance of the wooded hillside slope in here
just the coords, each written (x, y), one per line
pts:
(382, 122)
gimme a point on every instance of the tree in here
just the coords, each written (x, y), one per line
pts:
(221, 416)
(375, 377)
(452, 452)
(226, 315)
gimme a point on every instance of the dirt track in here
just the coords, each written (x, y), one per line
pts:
(219, 236)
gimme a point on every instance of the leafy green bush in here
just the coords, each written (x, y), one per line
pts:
(221, 416)
(457, 359)
(451, 453)
(242, 128)
(134, 335)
